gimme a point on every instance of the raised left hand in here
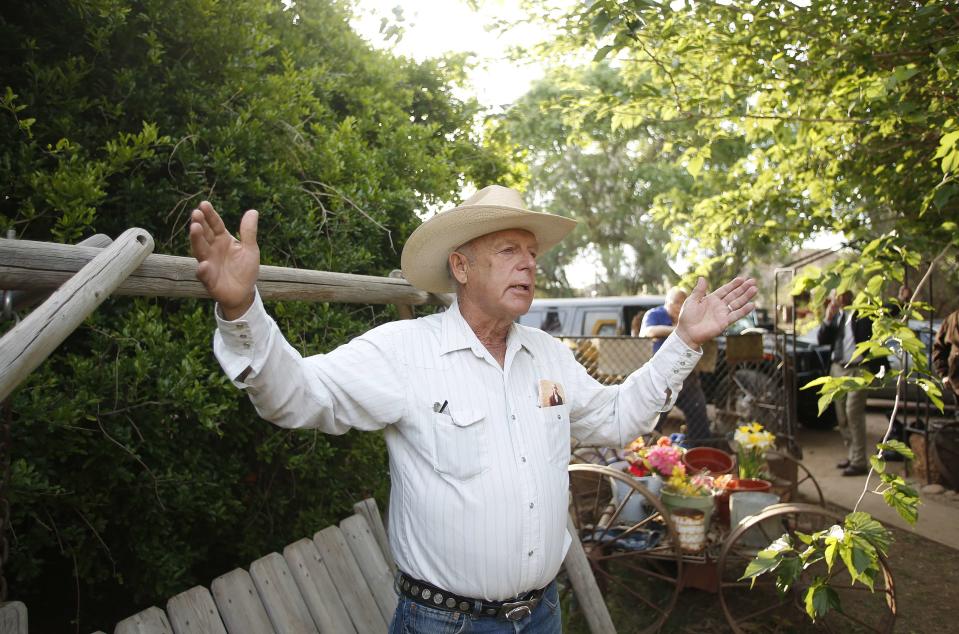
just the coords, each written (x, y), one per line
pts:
(704, 317)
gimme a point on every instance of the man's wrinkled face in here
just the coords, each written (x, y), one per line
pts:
(499, 272)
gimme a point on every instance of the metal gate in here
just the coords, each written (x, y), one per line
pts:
(745, 378)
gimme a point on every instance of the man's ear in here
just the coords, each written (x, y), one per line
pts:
(458, 266)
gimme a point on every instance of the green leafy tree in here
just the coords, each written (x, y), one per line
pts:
(848, 115)
(846, 108)
(138, 470)
(586, 164)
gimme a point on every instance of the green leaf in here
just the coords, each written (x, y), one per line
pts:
(947, 142)
(602, 53)
(877, 463)
(788, 573)
(944, 194)
(816, 382)
(830, 554)
(695, 165)
(824, 402)
(765, 561)
(820, 598)
(899, 447)
(907, 506)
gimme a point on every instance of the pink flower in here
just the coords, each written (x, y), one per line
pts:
(663, 459)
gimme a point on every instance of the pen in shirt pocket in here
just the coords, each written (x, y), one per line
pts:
(441, 409)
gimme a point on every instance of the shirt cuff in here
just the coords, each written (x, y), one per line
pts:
(675, 360)
(241, 344)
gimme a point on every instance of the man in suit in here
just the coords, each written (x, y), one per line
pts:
(842, 330)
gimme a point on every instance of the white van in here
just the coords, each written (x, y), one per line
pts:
(589, 316)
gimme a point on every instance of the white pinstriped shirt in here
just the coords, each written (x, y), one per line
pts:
(478, 501)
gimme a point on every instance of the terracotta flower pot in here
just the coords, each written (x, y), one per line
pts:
(699, 459)
(736, 485)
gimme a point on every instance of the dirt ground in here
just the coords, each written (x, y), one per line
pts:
(926, 577)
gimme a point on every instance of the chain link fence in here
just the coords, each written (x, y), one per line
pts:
(744, 378)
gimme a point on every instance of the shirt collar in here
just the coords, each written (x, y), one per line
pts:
(456, 334)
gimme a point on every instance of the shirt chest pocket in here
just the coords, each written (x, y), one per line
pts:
(460, 444)
(556, 427)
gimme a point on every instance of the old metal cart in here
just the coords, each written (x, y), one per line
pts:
(641, 568)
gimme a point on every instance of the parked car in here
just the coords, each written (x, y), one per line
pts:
(588, 316)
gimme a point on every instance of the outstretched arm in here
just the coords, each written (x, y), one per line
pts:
(227, 267)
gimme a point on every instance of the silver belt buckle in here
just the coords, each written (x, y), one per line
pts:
(517, 610)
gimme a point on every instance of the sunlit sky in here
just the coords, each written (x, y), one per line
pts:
(435, 27)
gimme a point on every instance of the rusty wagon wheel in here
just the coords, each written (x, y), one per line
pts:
(762, 606)
(637, 564)
(804, 478)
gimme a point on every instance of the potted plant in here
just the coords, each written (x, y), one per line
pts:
(682, 491)
(635, 465)
(752, 441)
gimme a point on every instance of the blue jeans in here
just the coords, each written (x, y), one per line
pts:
(414, 618)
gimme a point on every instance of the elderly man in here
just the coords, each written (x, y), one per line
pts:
(659, 323)
(478, 504)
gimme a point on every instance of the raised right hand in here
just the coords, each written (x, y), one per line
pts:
(227, 267)
(832, 309)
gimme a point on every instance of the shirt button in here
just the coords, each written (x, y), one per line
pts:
(523, 458)
(531, 505)
(530, 553)
(513, 416)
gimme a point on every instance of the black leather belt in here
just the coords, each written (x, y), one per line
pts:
(429, 595)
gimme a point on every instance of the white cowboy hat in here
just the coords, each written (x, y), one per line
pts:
(493, 208)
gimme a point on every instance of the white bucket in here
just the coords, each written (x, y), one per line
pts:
(636, 507)
(743, 504)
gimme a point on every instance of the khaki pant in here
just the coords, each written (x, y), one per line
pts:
(851, 416)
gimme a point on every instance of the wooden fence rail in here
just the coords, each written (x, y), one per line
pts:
(27, 344)
(25, 264)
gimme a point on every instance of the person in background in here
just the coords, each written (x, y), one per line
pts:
(841, 329)
(945, 355)
(659, 323)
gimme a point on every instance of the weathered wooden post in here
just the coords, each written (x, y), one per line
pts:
(31, 341)
(26, 298)
(25, 264)
(585, 587)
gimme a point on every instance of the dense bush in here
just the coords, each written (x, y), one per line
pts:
(138, 470)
